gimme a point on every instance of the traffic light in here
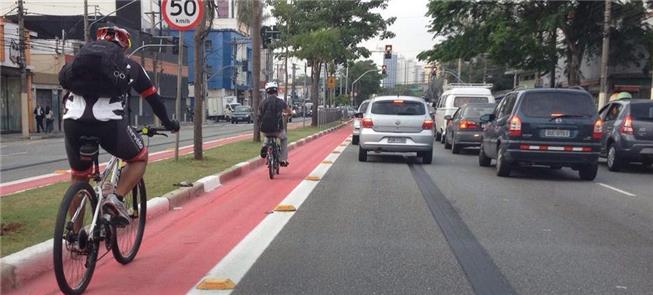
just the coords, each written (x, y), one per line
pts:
(383, 72)
(388, 52)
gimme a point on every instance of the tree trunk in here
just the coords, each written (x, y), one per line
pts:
(315, 88)
(554, 57)
(256, 66)
(198, 51)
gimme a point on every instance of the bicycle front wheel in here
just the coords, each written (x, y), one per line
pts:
(127, 240)
(74, 256)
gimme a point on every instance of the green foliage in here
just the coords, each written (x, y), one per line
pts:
(368, 84)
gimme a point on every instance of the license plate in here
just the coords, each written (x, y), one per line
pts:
(396, 140)
(556, 133)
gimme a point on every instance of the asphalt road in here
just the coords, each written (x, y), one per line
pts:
(22, 159)
(392, 227)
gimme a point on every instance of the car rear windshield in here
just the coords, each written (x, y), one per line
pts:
(242, 109)
(399, 107)
(477, 112)
(548, 104)
(460, 101)
(642, 111)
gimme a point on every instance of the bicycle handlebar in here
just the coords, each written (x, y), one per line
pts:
(152, 131)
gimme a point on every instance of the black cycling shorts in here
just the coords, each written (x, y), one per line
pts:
(116, 137)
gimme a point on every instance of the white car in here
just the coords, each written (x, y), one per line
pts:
(357, 122)
(456, 96)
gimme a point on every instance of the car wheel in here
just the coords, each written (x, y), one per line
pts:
(362, 154)
(483, 159)
(455, 148)
(588, 172)
(355, 139)
(503, 166)
(647, 164)
(427, 157)
(614, 162)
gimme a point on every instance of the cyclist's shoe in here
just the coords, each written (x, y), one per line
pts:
(284, 163)
(117, 208)
(264, 152)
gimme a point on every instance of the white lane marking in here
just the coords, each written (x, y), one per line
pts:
(240, 259)
(617, 190)
(13, 154)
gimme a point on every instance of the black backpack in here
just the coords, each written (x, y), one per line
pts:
(271, 119)
(100, 69)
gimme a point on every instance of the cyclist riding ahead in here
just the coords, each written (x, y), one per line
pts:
(272, 113)
(98, 82)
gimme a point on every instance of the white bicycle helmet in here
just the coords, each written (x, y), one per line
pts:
(271, 87)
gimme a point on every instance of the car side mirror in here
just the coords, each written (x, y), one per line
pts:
(448, 117)
(358, 115)
(487, 118)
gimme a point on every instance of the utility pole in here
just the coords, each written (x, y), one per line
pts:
(198, 59)
(86, 28)
(256, 64)
(603, 92)
(25, 109)
(180, 64)
(292, 92)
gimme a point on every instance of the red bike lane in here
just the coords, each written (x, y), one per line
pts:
(183, 245)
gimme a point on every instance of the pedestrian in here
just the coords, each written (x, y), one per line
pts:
(38, 115)
(49, 119)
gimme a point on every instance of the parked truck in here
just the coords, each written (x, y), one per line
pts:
(220, 108)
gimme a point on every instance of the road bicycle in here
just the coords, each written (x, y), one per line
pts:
(272, 155)
(82, 224)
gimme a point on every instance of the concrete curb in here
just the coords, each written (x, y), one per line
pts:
(29, 263)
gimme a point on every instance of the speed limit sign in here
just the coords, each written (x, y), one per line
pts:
(182, 14)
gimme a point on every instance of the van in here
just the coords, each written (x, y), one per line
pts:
(455, 96)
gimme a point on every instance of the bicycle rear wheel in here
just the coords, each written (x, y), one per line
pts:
(127, 240)
(74, 256)
(271, 161)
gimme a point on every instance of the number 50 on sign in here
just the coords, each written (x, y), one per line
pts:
(182, 14)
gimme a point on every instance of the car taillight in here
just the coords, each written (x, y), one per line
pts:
(627, 125)
(465, 124)
(367, 123)
(598, 127)
(427, 124)
(514, 129)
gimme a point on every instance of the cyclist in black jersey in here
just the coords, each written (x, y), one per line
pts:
(103, 117)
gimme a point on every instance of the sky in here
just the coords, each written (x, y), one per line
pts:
(411, 38)
(411, 31)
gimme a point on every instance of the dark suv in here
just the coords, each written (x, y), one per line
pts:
(627, 132)
(545, 127)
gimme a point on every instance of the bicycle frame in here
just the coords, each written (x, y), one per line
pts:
(101, 179)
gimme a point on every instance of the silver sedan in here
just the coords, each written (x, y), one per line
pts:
(396, 124)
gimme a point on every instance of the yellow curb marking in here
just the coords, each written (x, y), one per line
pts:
(327, 162)
(336, 152)
(60, 171)
(216, 284)
(285, 208)
(313, 178)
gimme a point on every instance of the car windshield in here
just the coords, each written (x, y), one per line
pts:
(548, 104)
(642, 111)
(460, 101)
(242, 109)
(398, 107)
(476, 112)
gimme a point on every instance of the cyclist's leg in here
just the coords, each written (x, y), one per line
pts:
(80, 170)
(120, 140)
(283, 138)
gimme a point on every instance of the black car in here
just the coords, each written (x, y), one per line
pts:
(627, 132)
(544, 127)
(464, 127)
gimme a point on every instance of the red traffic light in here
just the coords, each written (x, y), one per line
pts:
(388, 52)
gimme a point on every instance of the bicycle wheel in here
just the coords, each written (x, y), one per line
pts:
(277, 153)
(127, 240)
(74, 256)
(271, 161)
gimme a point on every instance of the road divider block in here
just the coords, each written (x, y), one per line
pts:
(216, 284)
(210, 182)
(157, 206)
(285, 208)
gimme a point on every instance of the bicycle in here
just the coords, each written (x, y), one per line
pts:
(82, 225)
(272, 155)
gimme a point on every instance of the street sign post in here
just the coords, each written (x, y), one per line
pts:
(181, 15)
